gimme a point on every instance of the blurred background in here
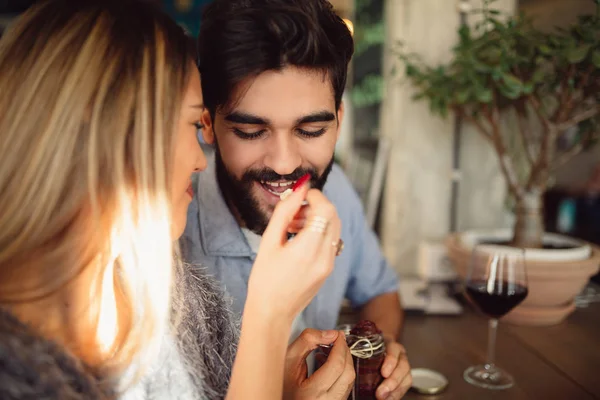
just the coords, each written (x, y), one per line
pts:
(422, 176)
(471, 122)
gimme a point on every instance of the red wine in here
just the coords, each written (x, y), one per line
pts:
(498, 298)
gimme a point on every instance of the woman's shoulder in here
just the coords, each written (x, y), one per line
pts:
(32, 367)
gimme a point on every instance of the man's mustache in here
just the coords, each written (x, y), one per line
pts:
(268, 175)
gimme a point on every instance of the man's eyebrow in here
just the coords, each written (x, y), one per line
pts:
(197, 106)
(247, 119)
(321, 116)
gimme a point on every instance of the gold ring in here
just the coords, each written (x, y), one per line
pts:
(317, 224)
(317, 228)
(319, 219)
(339, 247)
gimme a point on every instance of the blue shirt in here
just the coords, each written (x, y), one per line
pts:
(214, 239)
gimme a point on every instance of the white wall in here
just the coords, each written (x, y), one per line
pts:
(417, 196)
(577, 171)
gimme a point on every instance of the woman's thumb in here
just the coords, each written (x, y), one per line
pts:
(309, 340)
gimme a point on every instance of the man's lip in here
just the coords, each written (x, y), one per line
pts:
(190, 190)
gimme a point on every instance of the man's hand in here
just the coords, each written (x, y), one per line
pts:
(332, 381)
(395, 371)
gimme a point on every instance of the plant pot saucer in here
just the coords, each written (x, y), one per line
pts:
(554, 279)
(572, 249)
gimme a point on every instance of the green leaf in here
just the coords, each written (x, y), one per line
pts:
(484, 96)
(596, 58)
(463, 96)
(419, 96)
(444, 112)
(411, 71)
(481, 67)
(528, 88)
(578, 54)
(491, 55)
(510, 91)
(464, 33)
(545, 49)
(512, 82)
(540, 60)
(538, 76)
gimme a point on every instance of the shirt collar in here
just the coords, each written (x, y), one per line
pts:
(220, 232)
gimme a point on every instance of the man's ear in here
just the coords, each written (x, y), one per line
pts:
(340, 117)
(208, 133)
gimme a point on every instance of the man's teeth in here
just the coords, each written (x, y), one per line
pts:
(278, 184)
(278, 188)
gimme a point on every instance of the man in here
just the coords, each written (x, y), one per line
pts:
(273, 75)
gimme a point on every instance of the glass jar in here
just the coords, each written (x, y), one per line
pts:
(368, 354)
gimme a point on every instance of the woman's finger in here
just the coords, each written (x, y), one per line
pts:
(319, 213)
(343, 385)
(285, 210)
(333, 368)
(299, 220)
(302, 213)
(320, 229)
(296, 226)
(332, 235)
(318, 246)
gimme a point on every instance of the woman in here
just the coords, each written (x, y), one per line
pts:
(100, 106)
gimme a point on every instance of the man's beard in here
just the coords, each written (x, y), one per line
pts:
(238, 192)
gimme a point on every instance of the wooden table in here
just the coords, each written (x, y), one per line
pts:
(560, 362)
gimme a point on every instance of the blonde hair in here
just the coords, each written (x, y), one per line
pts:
(91, 92)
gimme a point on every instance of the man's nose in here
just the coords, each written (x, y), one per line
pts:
(201, 162)
(283, 156)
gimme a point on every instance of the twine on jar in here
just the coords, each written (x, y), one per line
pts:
(364, 353)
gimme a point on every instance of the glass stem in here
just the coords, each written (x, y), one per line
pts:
(491, 353)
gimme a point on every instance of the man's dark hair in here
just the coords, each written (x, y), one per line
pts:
(244, 38)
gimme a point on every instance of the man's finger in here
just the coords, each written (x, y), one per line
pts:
(393, 384)
(405, 385)
(393, 351)
(388, 365)
(400, 390)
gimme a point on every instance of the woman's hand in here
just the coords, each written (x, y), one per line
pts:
(332, 381)
(287, 274)
(285, 277)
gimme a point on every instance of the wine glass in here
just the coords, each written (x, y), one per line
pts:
(496, 283)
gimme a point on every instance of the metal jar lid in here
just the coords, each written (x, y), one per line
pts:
(428, 381)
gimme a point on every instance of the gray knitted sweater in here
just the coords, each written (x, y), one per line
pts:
(195, 362)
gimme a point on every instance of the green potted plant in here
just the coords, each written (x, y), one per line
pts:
(517, 84)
